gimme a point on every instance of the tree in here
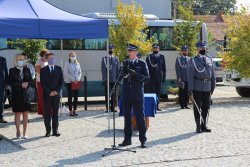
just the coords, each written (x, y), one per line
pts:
(238, 56)
(212, 7)
(132, 28)
(29, 46)
(188, 31)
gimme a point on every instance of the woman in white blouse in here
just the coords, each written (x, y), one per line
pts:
(72, 73)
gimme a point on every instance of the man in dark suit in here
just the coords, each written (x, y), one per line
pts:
(52, 82)
(113, 67)
(157, 71)
(135, 74)
(3, 83)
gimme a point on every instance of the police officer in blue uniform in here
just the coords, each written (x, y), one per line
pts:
(113, 74)
(182, 78)
(135, 73)
(201, 82)
(157, 71)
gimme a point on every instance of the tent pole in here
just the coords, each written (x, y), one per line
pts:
(108, 87)
(61, 67)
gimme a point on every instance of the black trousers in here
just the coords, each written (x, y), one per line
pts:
(2, 92)
(51, 107)
(155, 87)
(183, 96)
(203, 101)
(138, 108)
(71, 94)
(113, 96)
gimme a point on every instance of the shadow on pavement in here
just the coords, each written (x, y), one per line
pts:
(171, 139)
(84, 159)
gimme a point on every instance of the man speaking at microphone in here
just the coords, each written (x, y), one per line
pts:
(135, 73)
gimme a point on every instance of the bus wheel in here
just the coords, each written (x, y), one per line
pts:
(243, 92)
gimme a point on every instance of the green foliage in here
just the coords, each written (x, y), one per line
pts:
(29, 46)
(212, 7)
(238, 56)
(187, 32)
(131, 28)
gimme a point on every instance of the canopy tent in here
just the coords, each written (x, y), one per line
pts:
(39, 19)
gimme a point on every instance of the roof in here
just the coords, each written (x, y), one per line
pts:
(39, 19)
(215, 24)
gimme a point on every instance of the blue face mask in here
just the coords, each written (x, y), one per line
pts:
(52, 61)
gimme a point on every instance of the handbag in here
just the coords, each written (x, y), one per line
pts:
(76, 86)
(30, 95)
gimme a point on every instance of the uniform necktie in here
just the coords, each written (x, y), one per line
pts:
(204, 59)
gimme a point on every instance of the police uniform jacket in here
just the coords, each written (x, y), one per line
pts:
(201, 76)
(113, 68)
(157, 66)
(133, 86)
(181, 64)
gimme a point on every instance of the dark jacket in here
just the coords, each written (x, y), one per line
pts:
(157, 67)
(133, 86)
(3, 72)
(51, 81)
(16, 81)
(113, 68)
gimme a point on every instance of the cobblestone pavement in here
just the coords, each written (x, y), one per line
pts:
(171, 138)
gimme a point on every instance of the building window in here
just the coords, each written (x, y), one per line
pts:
(95, 44)
(164, 36)
(78, 44)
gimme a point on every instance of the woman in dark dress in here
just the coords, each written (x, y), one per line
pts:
(20, 78)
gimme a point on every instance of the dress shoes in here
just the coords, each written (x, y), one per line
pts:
(2, 120)
(125, 143)
(143, 145)
(159, 109)
(47, 134)
(205, 129)
(187, 108)
(198, 129)
(56, 134)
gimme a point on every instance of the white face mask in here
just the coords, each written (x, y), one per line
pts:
(45, 63)
(73, 59)
(20, 63)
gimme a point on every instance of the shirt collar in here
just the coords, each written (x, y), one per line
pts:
(132, 61)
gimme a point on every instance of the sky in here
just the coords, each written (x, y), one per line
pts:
(244, 3)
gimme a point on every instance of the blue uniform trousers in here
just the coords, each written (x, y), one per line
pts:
(138, 108)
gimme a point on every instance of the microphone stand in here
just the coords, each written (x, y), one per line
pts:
(114, 147)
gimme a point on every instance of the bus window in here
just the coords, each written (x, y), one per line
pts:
(3, 43)
(67, 44)
(95, 44)
(164, 36)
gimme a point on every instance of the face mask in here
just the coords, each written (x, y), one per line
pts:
(51, 61)
(202, 52)
(110, 52)
(20, 63)
(45, 63)
(73, 59)
(155, 52)
(185, 54)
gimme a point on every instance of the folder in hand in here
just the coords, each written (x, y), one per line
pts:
(181, 84)
(76, 86)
